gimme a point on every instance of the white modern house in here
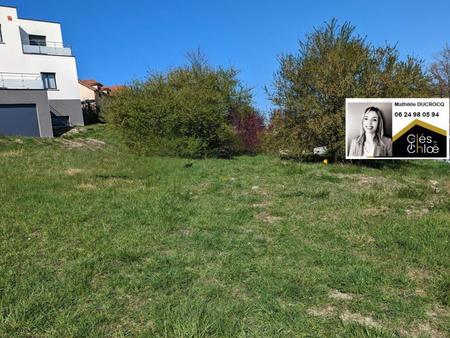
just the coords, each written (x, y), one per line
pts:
(38, 77)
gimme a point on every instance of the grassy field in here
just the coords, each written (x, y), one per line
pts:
(95, 241)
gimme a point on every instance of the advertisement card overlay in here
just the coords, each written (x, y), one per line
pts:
(397, 128)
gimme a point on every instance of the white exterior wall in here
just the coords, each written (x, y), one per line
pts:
(51, 30)
(13, 60)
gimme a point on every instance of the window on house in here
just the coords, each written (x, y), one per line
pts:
(49, 80)
(37, 40)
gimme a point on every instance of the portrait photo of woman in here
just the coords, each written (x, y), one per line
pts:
(372, 140)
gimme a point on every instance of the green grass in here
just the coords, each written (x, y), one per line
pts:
(95, 241)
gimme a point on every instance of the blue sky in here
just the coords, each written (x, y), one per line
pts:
(117, 41)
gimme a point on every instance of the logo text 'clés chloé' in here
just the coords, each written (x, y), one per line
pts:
(421, 144)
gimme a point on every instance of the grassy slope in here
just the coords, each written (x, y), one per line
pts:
(101, 242)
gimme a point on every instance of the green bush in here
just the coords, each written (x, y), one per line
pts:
(185, 112)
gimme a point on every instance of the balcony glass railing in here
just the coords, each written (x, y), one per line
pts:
(47, 48)
(21, 81)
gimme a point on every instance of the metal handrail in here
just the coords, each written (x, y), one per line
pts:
(55, 44)
(21, 74)
(57, 49)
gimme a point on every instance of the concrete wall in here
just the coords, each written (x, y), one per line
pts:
(71, 108)
(13, 60)
(50, 29)
(37, 97)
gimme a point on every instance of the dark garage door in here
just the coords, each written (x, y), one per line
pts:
(18, 119)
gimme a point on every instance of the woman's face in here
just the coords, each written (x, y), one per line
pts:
(370, 122)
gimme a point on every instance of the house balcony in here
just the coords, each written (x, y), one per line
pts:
(21, 81)
(47, 48)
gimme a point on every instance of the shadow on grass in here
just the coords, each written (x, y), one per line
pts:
(380, 164)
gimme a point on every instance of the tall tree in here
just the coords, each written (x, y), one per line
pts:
(440, 73)
(334, 63)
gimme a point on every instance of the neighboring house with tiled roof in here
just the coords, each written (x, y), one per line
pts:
(91, 83)
(89, 90)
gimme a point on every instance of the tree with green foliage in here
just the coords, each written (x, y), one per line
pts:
(185, 112)
(332, 64)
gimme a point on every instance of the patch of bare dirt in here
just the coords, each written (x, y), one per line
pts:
(117, 182)
(259, 191)
(336, 294)
(361, 178)
(360, 319)
(376, 211)
(186, 232)
(240, 293)
(264, 238)
(136, 302)
(420, 292)
(86, 186)
(12, 153)
(326, 311)
(360, 238)
(437, 312)
(73, 171)
(431, 202)
(422, 330)
(263, 204)
(396, 292)
(267, 218)
(416, 213)
(365, 180)
(88, 143)
(346, 317)
(434, 186)
(418, 274)
(331, 219)
(427, 330)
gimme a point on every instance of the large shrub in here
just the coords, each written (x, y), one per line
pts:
(249, 127)
(185, 112)
(333, 63)
(91, 112)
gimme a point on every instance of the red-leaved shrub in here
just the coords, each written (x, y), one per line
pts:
(249, 127)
